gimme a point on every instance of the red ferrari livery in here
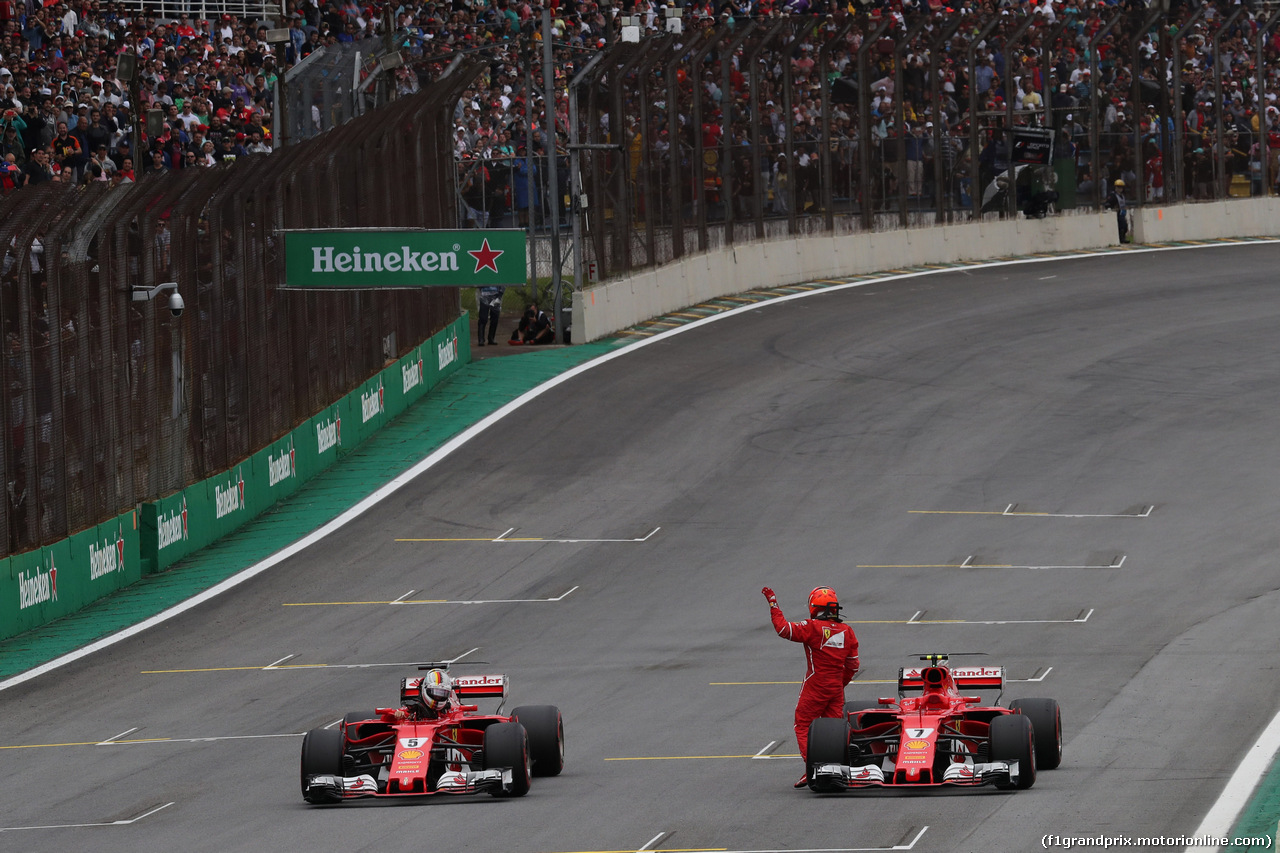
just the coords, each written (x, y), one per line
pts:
(381, 753)
(937, 736)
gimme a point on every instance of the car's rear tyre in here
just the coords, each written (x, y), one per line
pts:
(853, 709)
(358, 717)
(1046, 719)
(1013, 739)
(507, 745)
(828, 743)
(546, 737)
(321, 756)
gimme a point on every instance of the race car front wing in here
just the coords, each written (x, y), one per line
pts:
(325, 788)
(827, 777)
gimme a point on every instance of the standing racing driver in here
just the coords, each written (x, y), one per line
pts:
(831, 655)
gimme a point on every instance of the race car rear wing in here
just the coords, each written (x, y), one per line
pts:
(480, 686)
(970, 677)
(467, 687)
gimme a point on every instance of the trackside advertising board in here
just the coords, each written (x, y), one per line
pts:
(354, 259)
(188, 520)
(42, 585)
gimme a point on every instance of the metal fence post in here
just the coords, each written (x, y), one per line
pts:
(1095, 117)
(975, 173)
(828, 196)
(864, 121)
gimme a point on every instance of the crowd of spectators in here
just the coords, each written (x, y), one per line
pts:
(491, 126)
(65, 116)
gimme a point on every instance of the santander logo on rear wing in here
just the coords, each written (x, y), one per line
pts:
(973, 677)
(480, 686)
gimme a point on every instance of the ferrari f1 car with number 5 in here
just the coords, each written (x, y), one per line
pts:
(938, 737)
(436, 743)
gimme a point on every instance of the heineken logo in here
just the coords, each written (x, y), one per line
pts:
(172, 528)
(106, 557)
(229, 498)
(447, 352)
(282, 466)
(486, 258)
(371, 403)
(38, 587)
(411, 373)
(327, 259)
(329, 433)
(350, 258)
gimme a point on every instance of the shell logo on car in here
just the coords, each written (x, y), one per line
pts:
(410, 755)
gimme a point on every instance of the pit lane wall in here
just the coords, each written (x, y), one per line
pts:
(43, 585)
(607, 308)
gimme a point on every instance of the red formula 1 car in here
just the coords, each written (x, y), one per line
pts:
(938, 737)
(419, 751)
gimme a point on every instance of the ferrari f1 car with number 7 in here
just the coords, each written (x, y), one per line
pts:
(437, 743)
(938, 737)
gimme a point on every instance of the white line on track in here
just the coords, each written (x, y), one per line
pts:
(651, 842)
(1226, 809)
(87, 825)
(909, 846)
(403, 597)
(334, 723)
(761, 753)
(916, 620)
(117, 737)
(155, 740)
(445, 450)
(470, 651)
(1010, 512)
(1114, 564)
(277, 663)
(402, 601)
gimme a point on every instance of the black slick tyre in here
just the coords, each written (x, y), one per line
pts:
(828, 744)
(853, 709)
(1013, 739)
(546, 737)
(506, 745)
(321, 756)
(358, 717)
(1046, 719)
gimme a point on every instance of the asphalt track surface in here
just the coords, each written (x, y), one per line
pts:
(872, 439)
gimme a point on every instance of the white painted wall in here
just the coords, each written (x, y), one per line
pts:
(609, 307)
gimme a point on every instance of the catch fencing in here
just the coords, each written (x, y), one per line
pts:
(687, 143)
(109, 402)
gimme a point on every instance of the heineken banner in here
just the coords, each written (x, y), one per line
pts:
(59, 579)
(186, 521)
(358, 259)
(42, 585)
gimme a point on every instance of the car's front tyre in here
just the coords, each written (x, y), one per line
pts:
(321, 756)
(506, 745)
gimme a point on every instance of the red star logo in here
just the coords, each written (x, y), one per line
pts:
(184, 517)
(337, 422)
(120, 545)
(240, 485)
(293, 458)
(53, 577)
(381, 403)
(486, 257)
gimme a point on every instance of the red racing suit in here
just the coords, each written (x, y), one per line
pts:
(831, 656)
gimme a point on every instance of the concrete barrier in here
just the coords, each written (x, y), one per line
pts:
(617, 304)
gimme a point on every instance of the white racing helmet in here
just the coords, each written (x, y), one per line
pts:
(436, 690)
